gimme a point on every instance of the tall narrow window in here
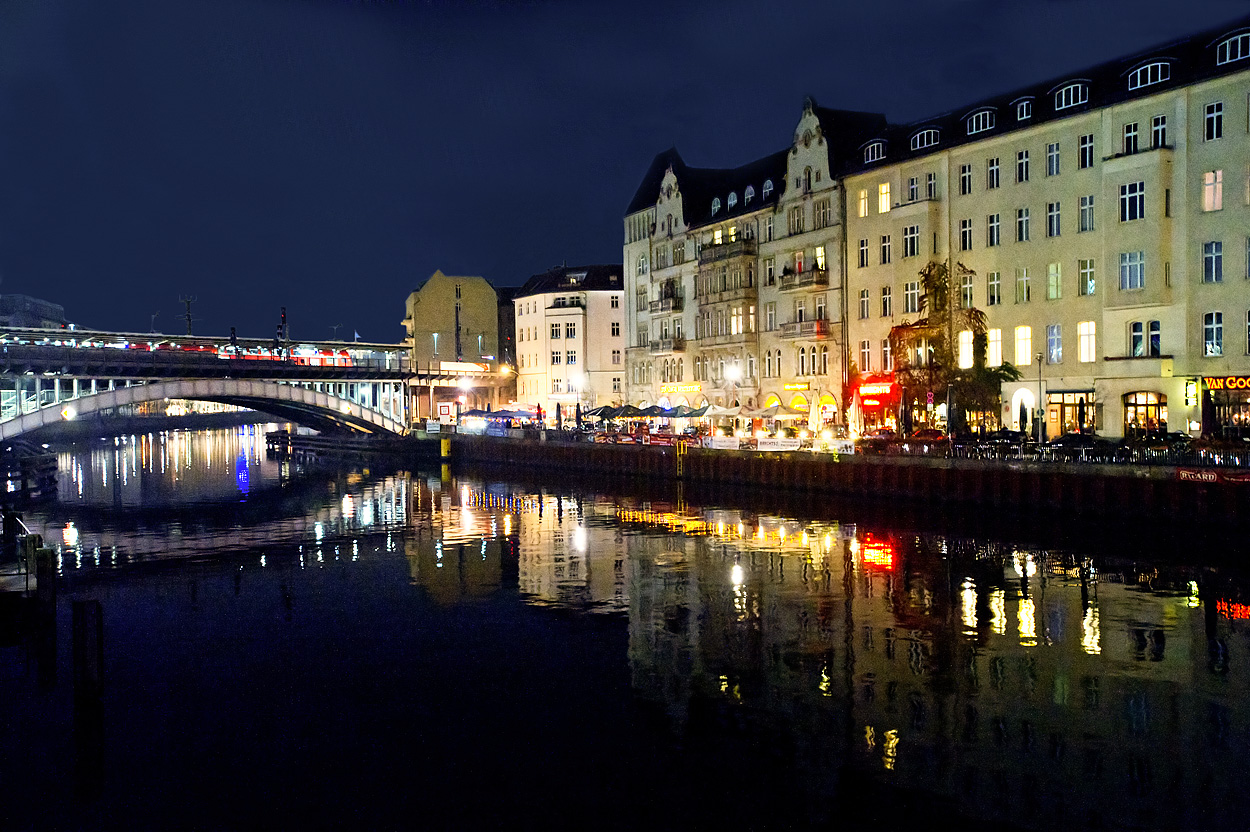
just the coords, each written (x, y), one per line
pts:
(1213, 262)
(1136, 339)
(1052, 219)
(965, 235)
(1085, 281)
(994, 347)
(1086, 155)
(1132, 269)
(991, 173)
(1054, 282)
(930, 186)
(1023, 293)
(911, 297)
(887, 302)
(1087, 213)
(863, 255)
(994, 289)
(1052, 159)
(1130, 138)
(1159, 131)
(965, 290)
(1213, 334)
(1022, 166)
(913, 189)
(1054, 344)
(885, 249)
(865, 355)
(965, 180)
(887, 356)
(965, 349)
(863, 303)
(863, 203)
(1132, 201)
(1024, 346)
(911, 240)
(1213, 190)
(1022, 225)
(883, 198)
(1085, 347)
(993, 230)
(1213, 122)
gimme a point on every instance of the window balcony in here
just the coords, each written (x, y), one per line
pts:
(740, 293)
(724, 251)
(668, 346)
(803, 280)
(728, 340)
(667, 305)
(568, 303)
(807, 329)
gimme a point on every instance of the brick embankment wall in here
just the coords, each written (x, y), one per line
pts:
(1121, 490)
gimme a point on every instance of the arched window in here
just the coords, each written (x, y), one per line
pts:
(1024, 109)
(733, 199)
(681, 369)
(824, 361)
(925, 138)
(802, 361)
(875, 151)
(807, 180)
(768, 364)
(980, 122)
(1151, 73)
(1233, 49)
(779, 370)
(748, 194)
(768, 188)
(715, 206)
(1071, 95)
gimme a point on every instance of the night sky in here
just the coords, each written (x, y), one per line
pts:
(329, 156)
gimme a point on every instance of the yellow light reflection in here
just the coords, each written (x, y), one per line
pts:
(1091, 635)
(998, 613)
(968, 599)
(890, 749)
(1026, 619)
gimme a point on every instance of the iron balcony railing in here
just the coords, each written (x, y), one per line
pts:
(737, 248)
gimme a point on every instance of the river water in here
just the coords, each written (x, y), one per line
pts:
(292, 646)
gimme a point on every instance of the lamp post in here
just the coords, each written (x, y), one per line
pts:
(1040, 409)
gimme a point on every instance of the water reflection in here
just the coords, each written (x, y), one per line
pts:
(1041, 688)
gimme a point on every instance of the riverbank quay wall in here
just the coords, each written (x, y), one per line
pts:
(1066, 488)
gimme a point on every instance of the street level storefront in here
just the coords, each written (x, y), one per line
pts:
(1112, 407)
(1072, 411)
(1226, 406)
(876, 400)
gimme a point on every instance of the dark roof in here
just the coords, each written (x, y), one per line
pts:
(699, 186)
(600, 278)
(1190, 60)
(844, 130)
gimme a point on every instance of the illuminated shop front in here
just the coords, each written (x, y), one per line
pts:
(1145, 412)
(1071, 411)
(877, 397)
(1227, 412)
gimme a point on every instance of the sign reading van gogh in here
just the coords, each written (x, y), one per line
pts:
(1226, 382)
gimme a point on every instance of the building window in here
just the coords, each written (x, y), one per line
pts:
(965, 235)
(911, 297)
(993, 231)
(863, 203)
(1213, 190)
(820, 259)
(570, 357)
(1144, 340)
(768, 229)
(887, 302)
(616, 356)
(1086, 219)
(1130, 138)
(1213, 125)
(796, 220)
(911, 240)
(1085, 281)
(913, 189)
(798, 262)
(863, 253)
(1132, 201)
(642, 264)
(865, 355)
(1213, 262)
(965, 349)
(1022, 166)
(1023, 293)
(1052, 159)
(1132, 269)
(1054, 282)
(1022, 225)
(991, 173)
(1071, 95)
(885, 249)
(1024, 346)
(555, 357)
(733, 199)
(1085, 342)
(616, 384)
(1213, 334)
(1152, 73)
(965, 180)
(770, 316)
(863, 304)
(887, 356)
(994, 287)
(965, 290)
(1159, 131)
(616, 329)
(994, 347)
(555, 331)
(715, 205)
(980, 122)
(930, 186)
(1086, 155)
(570, 330)
(875, 151)
(883, 198)
(1024, 110)
(1233, 49)
(616, 301)
(823, 210)
(768, 188)
(924, 138)
(1054, 344)
(1052, 219)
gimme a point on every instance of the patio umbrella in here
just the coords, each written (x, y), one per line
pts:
(697, 412)
(652, 411)
(1080, 415)
(629, 412)
(577, 415)
(559, 418)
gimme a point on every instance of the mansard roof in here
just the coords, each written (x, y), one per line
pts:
(700, 186)
(597, 278)
(1188, 60)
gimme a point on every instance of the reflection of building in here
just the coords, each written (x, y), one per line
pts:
(570, 338)
(1102, 216)
(568, 554)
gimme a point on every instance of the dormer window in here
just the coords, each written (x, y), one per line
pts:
(768, 188)
(925, 138)
(733, 199)
(1024, 109)
(715, 206)
(875, 151)
(1151, 73)
(980, 122)
(1233, 49)
(748, 194)
(1071, 95)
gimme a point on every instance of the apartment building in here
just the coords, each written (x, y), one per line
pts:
(1100, 220)
(570, 338)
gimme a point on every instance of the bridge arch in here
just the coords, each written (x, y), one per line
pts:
(297, 403)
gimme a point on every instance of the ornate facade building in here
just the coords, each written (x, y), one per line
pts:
(1100, 221)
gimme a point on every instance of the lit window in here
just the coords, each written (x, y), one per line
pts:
(1054, 282)
(1024, 346)
(994, 348)
(874, 152)
(1234, 49)
(1213, 190)
(980, 122)
(1054, 344)
(965, 349)
(1085, 282)
(883, 198)
(1085, 342)
(1071, 95)
(1152, 73)
(863, 203)
(925, 138)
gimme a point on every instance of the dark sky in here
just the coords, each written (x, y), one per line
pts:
(328, 156)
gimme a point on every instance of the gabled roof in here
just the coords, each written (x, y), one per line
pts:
(699, 186)
(598, 278)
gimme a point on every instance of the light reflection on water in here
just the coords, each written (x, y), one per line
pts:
(1040, 688)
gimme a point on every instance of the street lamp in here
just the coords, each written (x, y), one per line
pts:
(465, 386)
(1040, 409)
